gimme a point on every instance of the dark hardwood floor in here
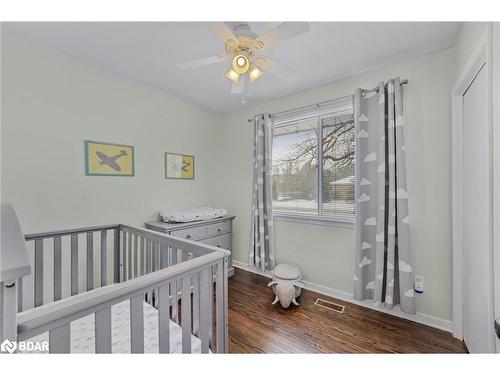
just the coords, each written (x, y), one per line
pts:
(256, 326)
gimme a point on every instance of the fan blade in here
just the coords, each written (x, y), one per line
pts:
(191, 64)
(224, 32)
(238, 88)
(280, 33)
(269, 65)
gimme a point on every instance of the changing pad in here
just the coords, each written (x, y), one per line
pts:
(192, 214)
(83, 332)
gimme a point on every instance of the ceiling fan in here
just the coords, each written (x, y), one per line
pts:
(243, 48)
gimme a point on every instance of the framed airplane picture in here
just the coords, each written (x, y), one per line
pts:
(108, 159)
(180, 167)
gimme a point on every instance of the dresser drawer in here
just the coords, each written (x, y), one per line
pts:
(218, 228)
(224, 241)
(195, 233)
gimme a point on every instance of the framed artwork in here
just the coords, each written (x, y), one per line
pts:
(108, 159)
(179, 167)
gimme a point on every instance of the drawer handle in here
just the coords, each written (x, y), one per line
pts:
(188, 236)
(218, 246)
(219, 230)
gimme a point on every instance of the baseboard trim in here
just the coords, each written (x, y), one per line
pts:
(421, 318)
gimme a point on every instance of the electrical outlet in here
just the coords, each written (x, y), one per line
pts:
(419, 284)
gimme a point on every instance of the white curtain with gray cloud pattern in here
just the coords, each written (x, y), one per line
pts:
(262, 243)
(383, 269)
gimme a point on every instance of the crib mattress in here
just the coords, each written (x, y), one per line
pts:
(83, 332)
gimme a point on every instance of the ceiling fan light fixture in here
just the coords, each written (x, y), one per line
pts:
(254, 73)
(233, 76)
(240, 64)
(259, 44)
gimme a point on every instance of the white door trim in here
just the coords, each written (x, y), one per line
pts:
(480, 56)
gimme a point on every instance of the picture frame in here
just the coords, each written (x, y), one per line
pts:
(109, 159)
(179, 166)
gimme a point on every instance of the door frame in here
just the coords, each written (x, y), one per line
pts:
(480, 56)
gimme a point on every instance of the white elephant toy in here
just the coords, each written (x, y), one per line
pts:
(286, 284)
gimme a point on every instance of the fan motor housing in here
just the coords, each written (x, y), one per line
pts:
(245, 43)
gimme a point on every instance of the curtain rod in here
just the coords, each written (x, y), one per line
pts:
(403, 82)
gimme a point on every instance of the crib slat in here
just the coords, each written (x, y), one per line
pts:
(57, 268)
(210, 304)
(156, 256)
(221, 307)
(178, 285)
(163, 320)
(38, 272)
(103, 331)
(186, 315)
(156, 267)
(20, 294)
(90, 260)
(169, 256)
(129, 255)
(174, 288)
(59, 339)
(196, 304)
(136, 325)
(136, 255)
(116, 255)
(225, 312)
(104, 257)
(148, 256)
(175, 301)
(163, 256)
(123, 257)
(143, 256)
(149, 297)
(74, 264)
(204, 306)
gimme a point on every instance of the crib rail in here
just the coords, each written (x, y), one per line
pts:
(131, 252)
(71, 242)
(56, 317)
(85, 271)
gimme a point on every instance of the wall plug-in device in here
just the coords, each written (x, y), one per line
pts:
(419, 284)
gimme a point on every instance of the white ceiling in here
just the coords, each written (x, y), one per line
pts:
(148, 52)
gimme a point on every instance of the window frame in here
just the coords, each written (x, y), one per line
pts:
(327, 109)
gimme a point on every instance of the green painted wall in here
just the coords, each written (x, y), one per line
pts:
(325, 253)
(52, 102)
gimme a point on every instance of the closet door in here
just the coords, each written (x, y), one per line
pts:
(477, 257)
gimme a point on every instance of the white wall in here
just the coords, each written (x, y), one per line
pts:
(326, 254)
(52, 102)
(496, 165)
(467, 40)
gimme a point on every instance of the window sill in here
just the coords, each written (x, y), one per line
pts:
(313, 219)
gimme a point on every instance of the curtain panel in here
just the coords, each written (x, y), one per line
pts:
(261, 253)
(383, 269)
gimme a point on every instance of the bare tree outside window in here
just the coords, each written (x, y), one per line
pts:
(296, 166)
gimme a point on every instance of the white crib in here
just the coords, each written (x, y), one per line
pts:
(111, 289)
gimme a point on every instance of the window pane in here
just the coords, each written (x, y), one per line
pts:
(295, 180)
(338, 166)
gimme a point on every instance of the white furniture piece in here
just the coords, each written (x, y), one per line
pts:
(188, 215)
(286, 284)
(216, 232)
(143, 291)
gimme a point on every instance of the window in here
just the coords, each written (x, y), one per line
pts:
(313, 165)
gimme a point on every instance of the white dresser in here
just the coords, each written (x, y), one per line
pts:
(216, 232)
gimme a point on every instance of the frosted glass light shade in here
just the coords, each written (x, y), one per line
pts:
(233, 76)
(254, 73)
